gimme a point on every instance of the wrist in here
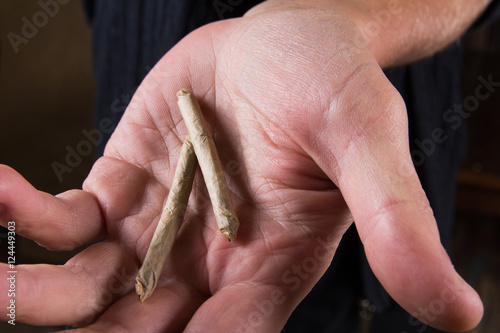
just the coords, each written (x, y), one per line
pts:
(378, 26)
(397, 32)
(371, 22)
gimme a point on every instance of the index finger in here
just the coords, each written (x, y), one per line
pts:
(62, 222)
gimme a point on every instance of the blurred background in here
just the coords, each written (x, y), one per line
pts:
(46, 97)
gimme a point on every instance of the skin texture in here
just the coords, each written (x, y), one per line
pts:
(396, 31)
(312, 136)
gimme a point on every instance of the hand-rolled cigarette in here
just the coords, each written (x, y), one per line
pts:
(169, 224)
(210, 164)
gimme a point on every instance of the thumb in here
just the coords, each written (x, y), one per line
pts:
(374, 172)
(402, 244)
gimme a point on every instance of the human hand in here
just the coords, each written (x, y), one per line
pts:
(312, 136)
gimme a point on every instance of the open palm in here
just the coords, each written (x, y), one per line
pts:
(311, 136)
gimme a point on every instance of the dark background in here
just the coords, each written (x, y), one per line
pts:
(46, 97)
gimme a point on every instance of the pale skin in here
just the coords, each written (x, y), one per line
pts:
(315, 137)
